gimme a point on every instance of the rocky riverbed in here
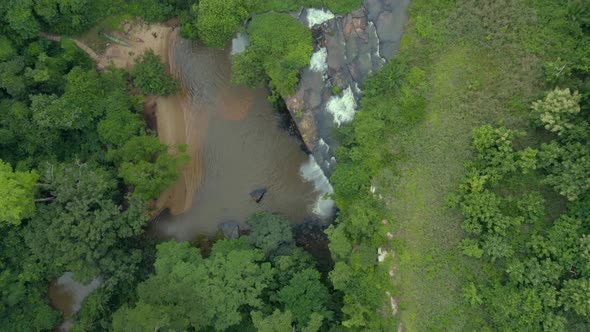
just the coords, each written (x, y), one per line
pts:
(347, 49)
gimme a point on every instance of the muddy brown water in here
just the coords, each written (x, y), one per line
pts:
(67, 295)
(241, 147)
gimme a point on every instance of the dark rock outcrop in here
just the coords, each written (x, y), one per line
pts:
(230, 229)
(258, 194)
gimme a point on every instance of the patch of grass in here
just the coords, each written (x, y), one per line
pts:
(477, 74)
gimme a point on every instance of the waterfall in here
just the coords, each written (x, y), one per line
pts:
(311, 172)
(239, 43)
(342, 107)
(318, 62)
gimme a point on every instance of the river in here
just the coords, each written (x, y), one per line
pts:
(241, 146)
(237, 143)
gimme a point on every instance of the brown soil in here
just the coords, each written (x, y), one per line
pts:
(141, 37)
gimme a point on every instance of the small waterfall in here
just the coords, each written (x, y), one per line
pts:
(342, 107)
(239, 43)
(318, 62)
(311, 172)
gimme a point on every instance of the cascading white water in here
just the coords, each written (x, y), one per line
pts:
(311, 172)
(342, 107)
(318, 16)
(318, 62)
(239, 43)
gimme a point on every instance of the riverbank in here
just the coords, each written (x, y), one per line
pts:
(167, 115)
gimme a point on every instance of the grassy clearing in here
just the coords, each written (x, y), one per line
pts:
(476, 75)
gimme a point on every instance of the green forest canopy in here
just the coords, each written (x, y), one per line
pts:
(476, 136)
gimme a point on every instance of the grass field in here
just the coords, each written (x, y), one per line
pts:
(476, 75)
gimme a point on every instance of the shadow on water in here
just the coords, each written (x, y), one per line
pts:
(67, 295)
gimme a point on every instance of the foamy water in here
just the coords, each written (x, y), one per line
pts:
(342, 107)
(318, 62)
(311, 172)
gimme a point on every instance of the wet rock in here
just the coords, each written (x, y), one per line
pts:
(357, 44)
(230, 229)
(258, 194)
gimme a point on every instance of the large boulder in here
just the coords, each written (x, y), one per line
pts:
(230, 229)
(258, 194)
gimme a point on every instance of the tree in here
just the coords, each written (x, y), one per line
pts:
(568, 166)
(150, 76)
(119, 126)
(7, 50)
(11, 79)
(219, 20)
(23, 286)
(148, 165)
(87, 97)
(271, 233)
(278, 321)
(81, 228)
(17, 190)
(281, 45)
(188, 291)
(20, 18)
(305, 295)
(557, 112)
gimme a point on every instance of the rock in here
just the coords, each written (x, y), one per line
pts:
(356, 44)
(258, 194)
(230, 229)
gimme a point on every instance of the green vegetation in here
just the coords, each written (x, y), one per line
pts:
(150, 75)
(17, 190)
(536, 261)
(462, 65)
(280, 47)
(218, 21)
(462, 182)
(336, 6)
(243, 282)
(77, 167)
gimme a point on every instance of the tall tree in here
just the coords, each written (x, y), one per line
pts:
(17, 190)
(188, 291)
(82, 226)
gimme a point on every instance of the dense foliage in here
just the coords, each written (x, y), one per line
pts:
(462, 64)
(77, 167)
(150, 75)
(216, 22)
(508, 251)
(541, 265)
(280, 47)
(261, 279)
